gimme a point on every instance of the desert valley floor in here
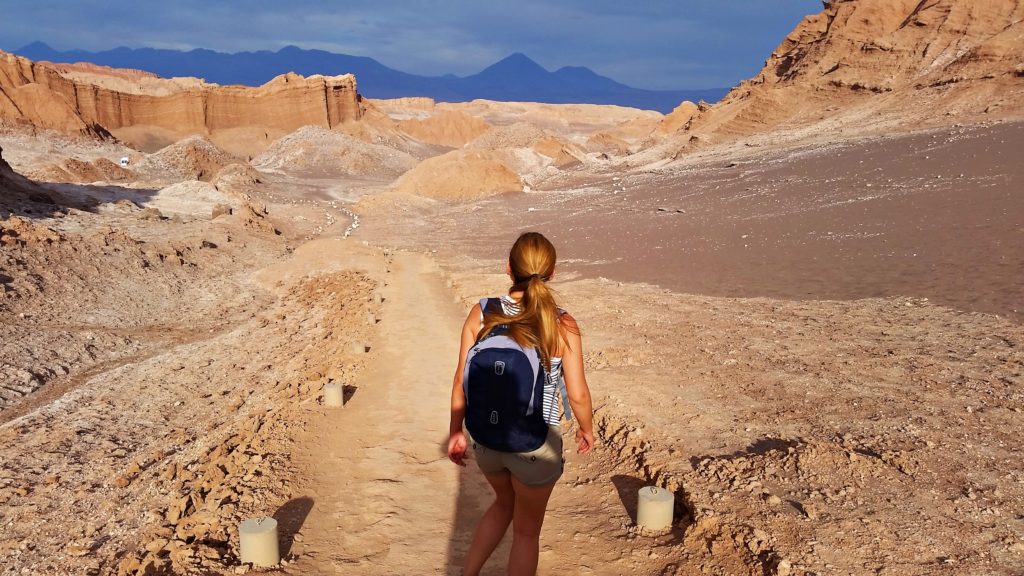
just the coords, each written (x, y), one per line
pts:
(816, 386)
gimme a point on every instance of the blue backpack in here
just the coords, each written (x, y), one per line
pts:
(504, 386)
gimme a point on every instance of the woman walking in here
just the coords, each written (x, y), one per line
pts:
(523, 480)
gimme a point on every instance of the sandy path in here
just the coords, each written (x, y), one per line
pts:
(381, 496)
(375, 493)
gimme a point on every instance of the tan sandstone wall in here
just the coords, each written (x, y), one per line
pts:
(876, 59)
(41, 95)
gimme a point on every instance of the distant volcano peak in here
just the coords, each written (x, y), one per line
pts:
(515, 63)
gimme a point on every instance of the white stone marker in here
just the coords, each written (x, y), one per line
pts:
(334, 395)
(655, 508)
(257, 538)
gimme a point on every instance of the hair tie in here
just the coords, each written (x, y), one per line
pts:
(523, 279)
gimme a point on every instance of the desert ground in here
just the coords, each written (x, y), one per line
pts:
(801, 311)
(822, 401)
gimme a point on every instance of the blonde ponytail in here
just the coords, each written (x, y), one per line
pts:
(531, 262)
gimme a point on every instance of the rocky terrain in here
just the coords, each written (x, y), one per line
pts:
(801, 312)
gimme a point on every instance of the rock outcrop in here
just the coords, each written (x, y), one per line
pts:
(881, 64)
(74, 170)
(677, 119)
(461, 175)
(884, 45)
(531, 149)
(96, 101)
(19, 194)
(192, 158)
(314, 151)
(5, 170)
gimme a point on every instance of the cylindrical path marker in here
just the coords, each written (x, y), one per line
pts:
(334, 395)
(654, 511)
(257, 538)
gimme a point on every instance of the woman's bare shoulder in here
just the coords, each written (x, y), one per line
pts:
(473, 316)
(568, 325)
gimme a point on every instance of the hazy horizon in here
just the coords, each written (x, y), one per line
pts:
(655, 46)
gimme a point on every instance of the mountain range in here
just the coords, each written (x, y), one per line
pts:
(515, 78)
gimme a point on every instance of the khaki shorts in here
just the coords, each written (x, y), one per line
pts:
(540, 467)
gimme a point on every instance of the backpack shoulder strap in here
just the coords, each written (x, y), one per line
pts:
(492, 305)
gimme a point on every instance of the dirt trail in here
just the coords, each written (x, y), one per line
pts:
(375, 493)
(382, 497)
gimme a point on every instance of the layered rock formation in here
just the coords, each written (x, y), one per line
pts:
(98, 101)
(882, 45)
(874, 62)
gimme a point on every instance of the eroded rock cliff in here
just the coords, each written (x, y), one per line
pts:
(884, 45)
(878, 64)
(99, 101)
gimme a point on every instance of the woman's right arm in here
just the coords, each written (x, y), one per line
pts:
(576, 384)
(457, 444)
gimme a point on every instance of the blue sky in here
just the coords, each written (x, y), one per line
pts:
(656, 44)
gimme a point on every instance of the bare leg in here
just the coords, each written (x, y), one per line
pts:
(492, 526)
(531, 502)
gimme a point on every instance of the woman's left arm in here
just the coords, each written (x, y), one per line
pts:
(576, 384)
(457, 444)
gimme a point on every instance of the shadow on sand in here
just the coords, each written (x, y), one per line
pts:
(290, 518)
(472, 500)
(35, 200)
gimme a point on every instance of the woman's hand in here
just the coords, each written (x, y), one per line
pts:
(457, 446)
(584, 441)
(456, 437)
